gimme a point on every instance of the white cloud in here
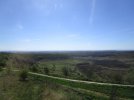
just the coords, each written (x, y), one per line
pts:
(26, 40)
(20, 27)
(73, 35)
(37, 39)
(61, 5)
(46, 6)
(92, 11)
(123, 31)
(55, 6)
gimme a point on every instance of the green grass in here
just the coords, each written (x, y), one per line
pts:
(56, 68)
(122, 92)
(37, 89)
(13, 89)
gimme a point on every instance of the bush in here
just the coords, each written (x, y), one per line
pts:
(24, 75)
(8, 70)
(34, 69)
(1, 69)
(65, 71)
(46, 70)
(113, 94)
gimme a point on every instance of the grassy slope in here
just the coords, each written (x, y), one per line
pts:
(34, 89)
(55, 68)
(38, 88)
(12, 89)
(123, 92)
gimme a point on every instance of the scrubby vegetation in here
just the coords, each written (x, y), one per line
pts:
(108, 67)
(36, 88)
(23, 75)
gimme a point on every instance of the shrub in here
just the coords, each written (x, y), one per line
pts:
(8, 70)
(34, 69)
(65, 71)
(24, 75)
(1, 69)
(46, 70)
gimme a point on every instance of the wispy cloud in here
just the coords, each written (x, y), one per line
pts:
(72, 35)
(92, 11)
(47, 6)
(26, 40)
(29, 40)
(123, 31)
(20, 26)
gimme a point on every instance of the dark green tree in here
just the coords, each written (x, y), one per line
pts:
(1, 69)
(114, 93)
(34, 68)
(65, 71)
(23, 75)
(118, 78)
(46, 70)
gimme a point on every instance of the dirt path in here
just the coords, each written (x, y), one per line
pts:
(80, 81)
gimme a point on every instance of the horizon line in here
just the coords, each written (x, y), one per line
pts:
(58, 50)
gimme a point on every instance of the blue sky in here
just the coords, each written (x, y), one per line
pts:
(37, 25)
